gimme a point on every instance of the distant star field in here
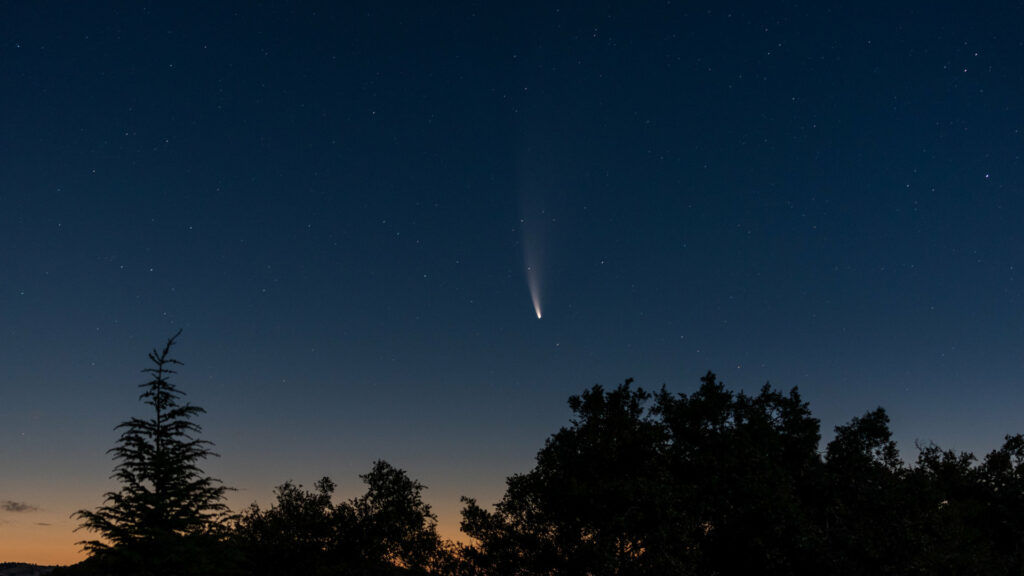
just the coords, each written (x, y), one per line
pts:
(410, 231)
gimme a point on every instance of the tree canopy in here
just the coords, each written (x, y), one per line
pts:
(387, 530)
(720, 482)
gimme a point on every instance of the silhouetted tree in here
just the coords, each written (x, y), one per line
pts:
(597, 502)
(717, 482)
(746, 468)
(390, 526)
(387, 530)
(946, 505)
(296, 535)
(1002, 475)
(868, 517)
(167, 516)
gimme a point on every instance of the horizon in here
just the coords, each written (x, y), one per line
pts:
(55, 551)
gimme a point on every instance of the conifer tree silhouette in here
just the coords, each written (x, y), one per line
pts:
(167, 512)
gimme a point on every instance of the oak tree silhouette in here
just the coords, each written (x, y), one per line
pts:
(388, 530)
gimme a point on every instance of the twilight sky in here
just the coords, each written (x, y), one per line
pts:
(339, 205)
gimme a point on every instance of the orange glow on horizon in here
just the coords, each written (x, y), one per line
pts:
(50, 539)
(49, 545)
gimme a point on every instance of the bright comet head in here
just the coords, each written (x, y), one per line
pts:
(534, 284)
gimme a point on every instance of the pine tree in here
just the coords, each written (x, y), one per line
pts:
(168, 512)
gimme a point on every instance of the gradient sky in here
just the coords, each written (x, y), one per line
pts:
(338, 205)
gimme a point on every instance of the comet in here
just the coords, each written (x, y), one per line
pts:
(532, 258)
(533, 282)
(534, 222)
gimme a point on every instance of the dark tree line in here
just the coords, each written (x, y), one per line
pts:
(717, 482)
(638, 483)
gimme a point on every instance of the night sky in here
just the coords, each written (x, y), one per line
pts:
(352, 210)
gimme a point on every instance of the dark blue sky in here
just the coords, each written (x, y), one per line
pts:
(335, 204)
